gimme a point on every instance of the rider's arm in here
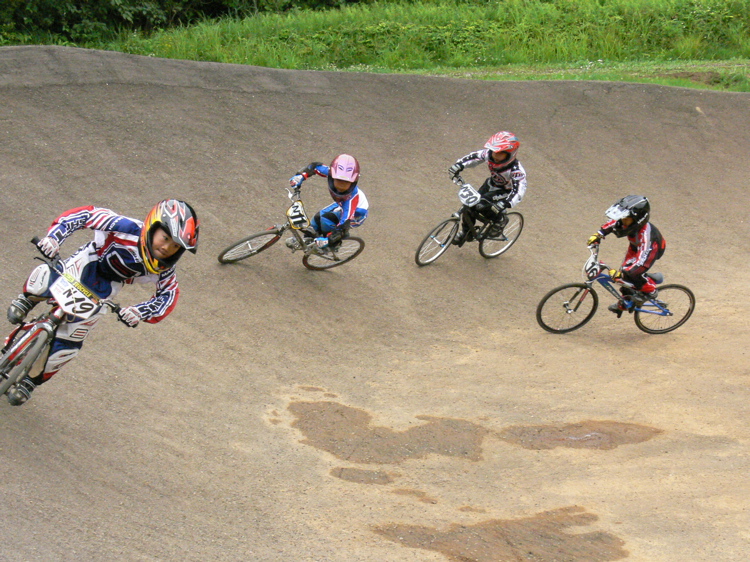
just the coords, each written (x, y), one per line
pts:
(314, 168)
(607, 228)
(95, 218)
(518, 184)
(640, 259)
(473, 158)
(158, 307)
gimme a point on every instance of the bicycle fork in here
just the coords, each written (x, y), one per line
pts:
(23, 354)
(577, 300)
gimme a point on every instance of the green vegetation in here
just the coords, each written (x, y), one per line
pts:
(679, 42)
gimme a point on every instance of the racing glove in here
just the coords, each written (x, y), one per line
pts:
(595, 239)
(615, 274)
(130, 316)
(49, 247)
(454, 170)
(296, 180)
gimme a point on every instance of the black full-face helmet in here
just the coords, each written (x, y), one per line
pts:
(635, 206)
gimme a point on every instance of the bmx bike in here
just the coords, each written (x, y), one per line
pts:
(26, 348)
(491, 244)
(570, 306)
(341, 249)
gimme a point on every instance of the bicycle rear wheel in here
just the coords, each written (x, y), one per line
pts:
(20, 357)
(567, 308)
(328, 257)
(493, 247)
(437, 242)
(668, 311)
(253, 244)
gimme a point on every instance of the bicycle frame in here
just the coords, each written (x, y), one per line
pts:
(469, 198)
(297, 221)
(596, 271)
(70, 299)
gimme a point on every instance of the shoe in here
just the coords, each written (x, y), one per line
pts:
(494, 231)
(21, 393)
(640, 298)
(19, 308)
(459, 239)
(616, 308)
(292, 243)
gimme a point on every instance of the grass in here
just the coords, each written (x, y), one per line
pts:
(692, 43)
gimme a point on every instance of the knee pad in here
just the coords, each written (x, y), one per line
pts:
(75, 332)
(38, 282)
(58, 359)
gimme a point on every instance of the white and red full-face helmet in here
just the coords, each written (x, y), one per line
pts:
(504, 141)
(343, 167)
(176, 218)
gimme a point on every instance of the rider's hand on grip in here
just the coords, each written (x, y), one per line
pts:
(615, 274)
(49, 247)
(454, 170)
(296, 180)
(321, 241)
(595, 239)
(130, 316)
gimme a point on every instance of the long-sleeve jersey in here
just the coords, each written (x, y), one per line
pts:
(116, 241)
(349, 201)
(505, 182)
(646, 245)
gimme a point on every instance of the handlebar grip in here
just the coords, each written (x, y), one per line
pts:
(35, 240)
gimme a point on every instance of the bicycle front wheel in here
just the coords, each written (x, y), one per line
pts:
(20, 358)
(567, 308)
(437, 242)
(668, 311)
(253, 244)
(326, 258)
(493, 247)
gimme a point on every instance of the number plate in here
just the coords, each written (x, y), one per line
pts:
(73, 297)
(591, 268)
(468, 195)
(296, 215)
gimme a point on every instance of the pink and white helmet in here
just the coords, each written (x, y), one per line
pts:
(345, 167)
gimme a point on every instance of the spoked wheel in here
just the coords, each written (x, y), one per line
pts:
(437, 242)
(326, 258)
(668, 311)
(253, 244)
(20, 358)
(493, 247)
(567, 308)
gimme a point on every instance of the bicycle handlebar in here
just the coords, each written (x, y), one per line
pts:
(55, 262)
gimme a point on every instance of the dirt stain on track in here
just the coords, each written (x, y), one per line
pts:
(543, 537)
(346, 433)
(590, 434)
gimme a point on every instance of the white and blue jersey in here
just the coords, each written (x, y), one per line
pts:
(351, 205)
(118, 258)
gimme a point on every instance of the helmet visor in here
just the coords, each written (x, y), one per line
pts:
(616, 212)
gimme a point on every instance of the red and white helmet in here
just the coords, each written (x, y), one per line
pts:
(504, 141)
(343, 167)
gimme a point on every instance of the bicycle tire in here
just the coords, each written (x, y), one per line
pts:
(12, 370)
(554, 314)
(437, 242)
(493, 247)
(678, 300)
(326, 258)
(250, 246)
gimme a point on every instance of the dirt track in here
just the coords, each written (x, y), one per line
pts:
(379, 411)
